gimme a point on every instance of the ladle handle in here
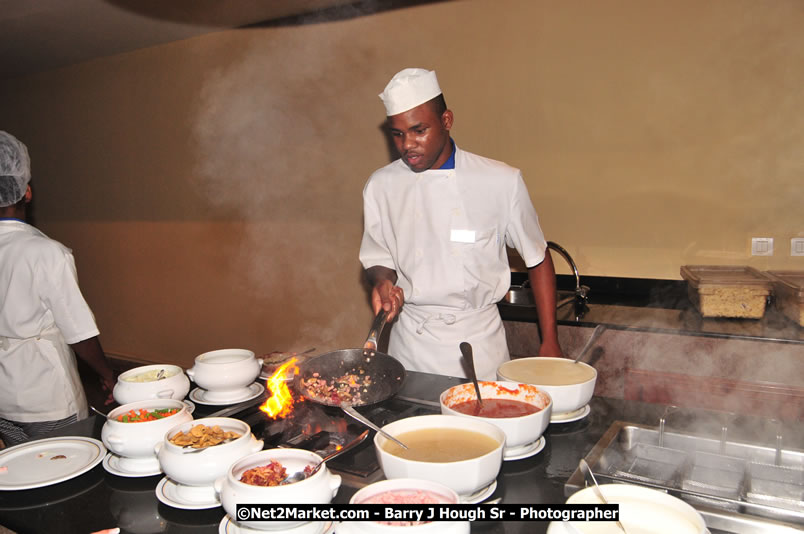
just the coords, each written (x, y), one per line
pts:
(466, 350)
(595, 334)
(354, 443)
(351, 412)
(104, 415)
(587, 472)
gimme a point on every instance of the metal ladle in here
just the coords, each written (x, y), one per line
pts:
(104, 415)
(466, 350)
(351, 412)
(587, 472)
(595, 334)
(301, 475)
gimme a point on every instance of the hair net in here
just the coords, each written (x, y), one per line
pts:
(15, 169)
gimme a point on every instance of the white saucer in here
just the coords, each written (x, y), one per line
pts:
(167, 493)
(190, 406)
(524, 451)
(227, 526)
(111, 463)
(254, 390)
(569, 417)
(480, 495)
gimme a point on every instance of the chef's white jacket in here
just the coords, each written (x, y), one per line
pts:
(444, 232)
(42, 310)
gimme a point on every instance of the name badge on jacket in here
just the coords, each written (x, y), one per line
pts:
(462, 236)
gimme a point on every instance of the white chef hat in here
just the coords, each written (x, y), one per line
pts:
(409, 88)
(15, 169)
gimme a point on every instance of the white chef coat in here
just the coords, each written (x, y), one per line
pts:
(42, 311)
(444, 232)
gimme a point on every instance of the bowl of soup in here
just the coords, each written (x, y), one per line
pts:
(522, 411)
(257, 479)
(160, 381)
(226, 373)
(405, 491)
(570, 385)
(642, 511)
(463, 453)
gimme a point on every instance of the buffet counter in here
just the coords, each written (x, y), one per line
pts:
(99, 500)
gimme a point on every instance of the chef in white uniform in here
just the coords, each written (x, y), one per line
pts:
(436, 225)
(44, 318)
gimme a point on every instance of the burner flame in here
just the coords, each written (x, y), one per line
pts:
(280, 404)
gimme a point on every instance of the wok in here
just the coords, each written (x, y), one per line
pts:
(387, 374)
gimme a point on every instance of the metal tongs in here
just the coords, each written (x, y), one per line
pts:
(370, 346)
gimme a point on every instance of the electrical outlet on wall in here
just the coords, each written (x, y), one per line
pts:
(762, 246)
(797, 246)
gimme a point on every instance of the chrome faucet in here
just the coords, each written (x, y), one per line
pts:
(581, 291)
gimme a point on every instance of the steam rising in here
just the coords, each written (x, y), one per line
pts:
(262, 142)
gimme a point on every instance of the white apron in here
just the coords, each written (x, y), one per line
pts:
(427, 339)
(47, 384)
(444, 232)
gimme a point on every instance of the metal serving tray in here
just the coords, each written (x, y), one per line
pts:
(738, 487)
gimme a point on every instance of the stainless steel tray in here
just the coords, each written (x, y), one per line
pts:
(738, 487)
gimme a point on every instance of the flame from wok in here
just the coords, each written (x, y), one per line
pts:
(280, 403)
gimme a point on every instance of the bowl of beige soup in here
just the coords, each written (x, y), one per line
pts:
(463, 453)
(570, 385)
(159, 381)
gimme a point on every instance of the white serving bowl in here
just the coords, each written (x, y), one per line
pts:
(465, 477)
(134, 442)
(520, 430)
(226, 373)
(642, 510)
(196, 471)
(317, 489)
(577, 380)
(174, 385)
(399, 487)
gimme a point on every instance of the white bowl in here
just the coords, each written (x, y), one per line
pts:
(642, 510)
(196, 472)
(134, 442)
(572, 391)
(520, 430)
(174, 385)
(225, 374)
(317, 489)
(400, 487)
(463, 476)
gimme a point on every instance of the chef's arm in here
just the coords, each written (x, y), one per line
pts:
(385, 294)
(90, 351)
(543, 283)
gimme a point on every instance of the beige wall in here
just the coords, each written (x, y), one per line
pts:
(210, 188)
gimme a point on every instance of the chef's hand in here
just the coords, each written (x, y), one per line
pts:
(551, 350)
(389, 297)
(107, 386)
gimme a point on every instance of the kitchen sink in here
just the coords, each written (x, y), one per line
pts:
(738, 487)
(523, 296)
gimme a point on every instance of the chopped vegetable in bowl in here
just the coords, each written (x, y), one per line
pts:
(142, 415)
